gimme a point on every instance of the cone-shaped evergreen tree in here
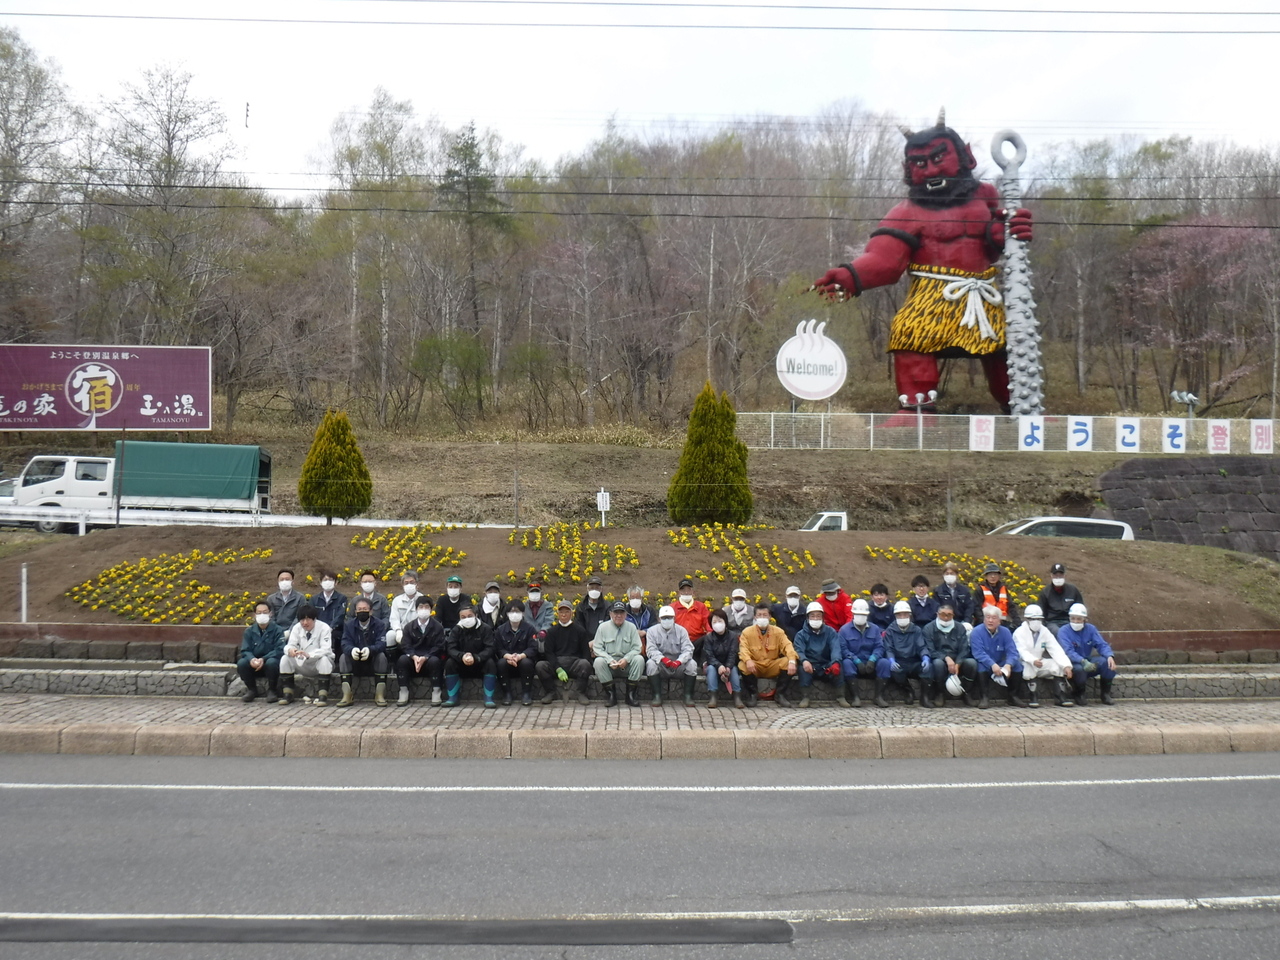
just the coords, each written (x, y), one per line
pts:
(335, 481)
(710, 484)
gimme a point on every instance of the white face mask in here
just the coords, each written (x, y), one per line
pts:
(686, 598)
(859, 619)
(534, 596)
(263, 619)
(327, 585)
(949, 579)
(1077, 627)
(453, 592)
(1059, 581)
(1033, 626)
(593, 594)
(903, 622)
(466, 623)
(492, 598)
(668, 622)
(717, 627)
(815, 624)
(410, 589)
(367, 587)
(515, 616)
(739, 604)
(285, 586)
(945, 625)
(762, 623)
(423, 614)
(635, 603)
(880, 603)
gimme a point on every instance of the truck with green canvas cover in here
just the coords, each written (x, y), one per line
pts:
(146, 475)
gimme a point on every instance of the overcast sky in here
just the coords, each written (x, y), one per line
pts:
(552, 88)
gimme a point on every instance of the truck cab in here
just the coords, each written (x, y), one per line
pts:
(76, 483)
(827, 520)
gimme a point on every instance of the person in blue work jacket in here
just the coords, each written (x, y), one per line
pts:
(948, 644)
(1089, 654)
(991, 644)
(924, 608)
(905, 656)
(862, 646)
(818, 652)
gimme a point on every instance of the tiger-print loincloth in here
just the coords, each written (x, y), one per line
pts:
(928, 322)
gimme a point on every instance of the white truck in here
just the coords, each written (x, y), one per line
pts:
(145, 475)
(827, 520)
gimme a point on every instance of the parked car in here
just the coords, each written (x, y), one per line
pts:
(1090, 527)
(827, 520)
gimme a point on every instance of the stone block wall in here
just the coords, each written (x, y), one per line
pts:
(1228, 502)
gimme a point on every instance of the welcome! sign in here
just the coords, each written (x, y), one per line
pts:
(811, 366)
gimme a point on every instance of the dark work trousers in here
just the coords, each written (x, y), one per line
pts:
(432, 667)
(270, 670)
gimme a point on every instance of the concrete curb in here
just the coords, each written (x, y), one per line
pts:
(855, 743)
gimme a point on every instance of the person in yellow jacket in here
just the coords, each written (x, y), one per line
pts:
(765, 651)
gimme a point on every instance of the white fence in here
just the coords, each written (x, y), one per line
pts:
(1069, 434)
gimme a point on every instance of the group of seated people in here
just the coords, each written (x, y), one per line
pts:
(969, 644)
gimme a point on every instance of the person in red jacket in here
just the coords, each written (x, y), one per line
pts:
(836, 605)
(693, 615)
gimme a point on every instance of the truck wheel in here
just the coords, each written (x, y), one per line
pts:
(49, 526)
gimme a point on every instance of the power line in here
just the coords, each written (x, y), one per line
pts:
(842, 9)
(535, 25)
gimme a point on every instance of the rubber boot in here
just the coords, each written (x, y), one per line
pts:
(1060, 694)
(403, 699)
(854, 700)
(549, 692)
(633, 693)
(908, 695)
(348, 692)
(1106, 693)
(656, 684)
(984, 680)
(580, 691)
(1033, 695)
(490, 688)
(380, 692)
(287, 693)
(526, 693)
(712, 703)
(322, 692)
(437, 695)
(1011, 694)
(964, 692)
(453, 689)
(842, 694)
(737, 699)
(273, 695)
(880, 700)
(804, 698)
(780, 692)
(610, 695)
(752, 686)
(939, 694)
(1081, 695)
(925, 701)
(506, 691)
(688, 690)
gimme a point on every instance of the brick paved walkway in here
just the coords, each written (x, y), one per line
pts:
(51, 709)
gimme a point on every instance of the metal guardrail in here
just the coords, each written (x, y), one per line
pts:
(1064, 434)
(83, 519)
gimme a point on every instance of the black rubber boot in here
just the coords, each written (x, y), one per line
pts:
(752, 688)
(688, 690)
(1033, 695)
(737, 700)
(842, 694)
(581, 691)
(656, 684)
(880, 700)
(939, 694)
(506, 690)
(633, 693)
(287, 693)
(712, 702)
(984, 680)
(908, 695)
(780, 691)
(610, 695)
(1061, 696)
(854, 700)
(964, 692)
(526, 693)
(1011, 694)
(1106, 693)
(925, 699)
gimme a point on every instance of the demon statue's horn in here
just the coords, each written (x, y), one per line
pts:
(906, 131)
(942, 117)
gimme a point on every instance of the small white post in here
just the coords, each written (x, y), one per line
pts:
(24, 594)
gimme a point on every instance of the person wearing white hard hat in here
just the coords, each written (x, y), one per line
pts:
(948, 644)
(670, 654)
(991, 644)
(862, 646)
(1089, 654)
(818, 651)
(1042, 657)
(905, 656)
(765, 650)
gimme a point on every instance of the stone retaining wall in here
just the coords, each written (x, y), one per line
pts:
(1229, 502)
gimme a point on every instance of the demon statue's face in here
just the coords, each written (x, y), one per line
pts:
(938, 172)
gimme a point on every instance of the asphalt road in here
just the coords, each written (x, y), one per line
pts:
(261, 858)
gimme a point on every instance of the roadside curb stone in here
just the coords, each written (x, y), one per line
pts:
(30, 738)
(1196, 738)
(322, 742)
(1114, 739)
(916, 743)
(245, 740)
(172, 740)
(99, 738)
(699, 745)
(473, 744)
(384, 744)
(1059, 740)
(858, 743)
(624, 745)
(1254, 736)
(771, 744)
(548, 745)
(988, 742)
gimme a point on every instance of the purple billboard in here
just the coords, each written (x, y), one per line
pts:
(77, 387)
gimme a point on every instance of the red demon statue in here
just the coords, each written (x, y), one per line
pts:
(947, 234)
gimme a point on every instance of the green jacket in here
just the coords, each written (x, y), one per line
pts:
(265, 642)
(616, 643)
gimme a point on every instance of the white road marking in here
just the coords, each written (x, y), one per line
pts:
(990, 910)
(639, 788)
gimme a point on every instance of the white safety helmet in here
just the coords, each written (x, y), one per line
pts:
(666, 612)
(1078, 610)
(954, 686)
(901, 607)
(861, 606)
(1033, 612)
(815, 607)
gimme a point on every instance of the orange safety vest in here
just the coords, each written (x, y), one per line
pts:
(989, 599)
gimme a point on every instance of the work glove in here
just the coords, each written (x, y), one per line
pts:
(364, 653)
(893, 664)
(857, 661)
(872, 659)
(563, 677)
(669, 663)
(399, 635)
(925, 663)
(1089, 666)
(833, 670)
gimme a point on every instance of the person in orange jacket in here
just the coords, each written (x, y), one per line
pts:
(836, 605)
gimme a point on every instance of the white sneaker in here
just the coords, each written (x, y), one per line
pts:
(435, 696)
